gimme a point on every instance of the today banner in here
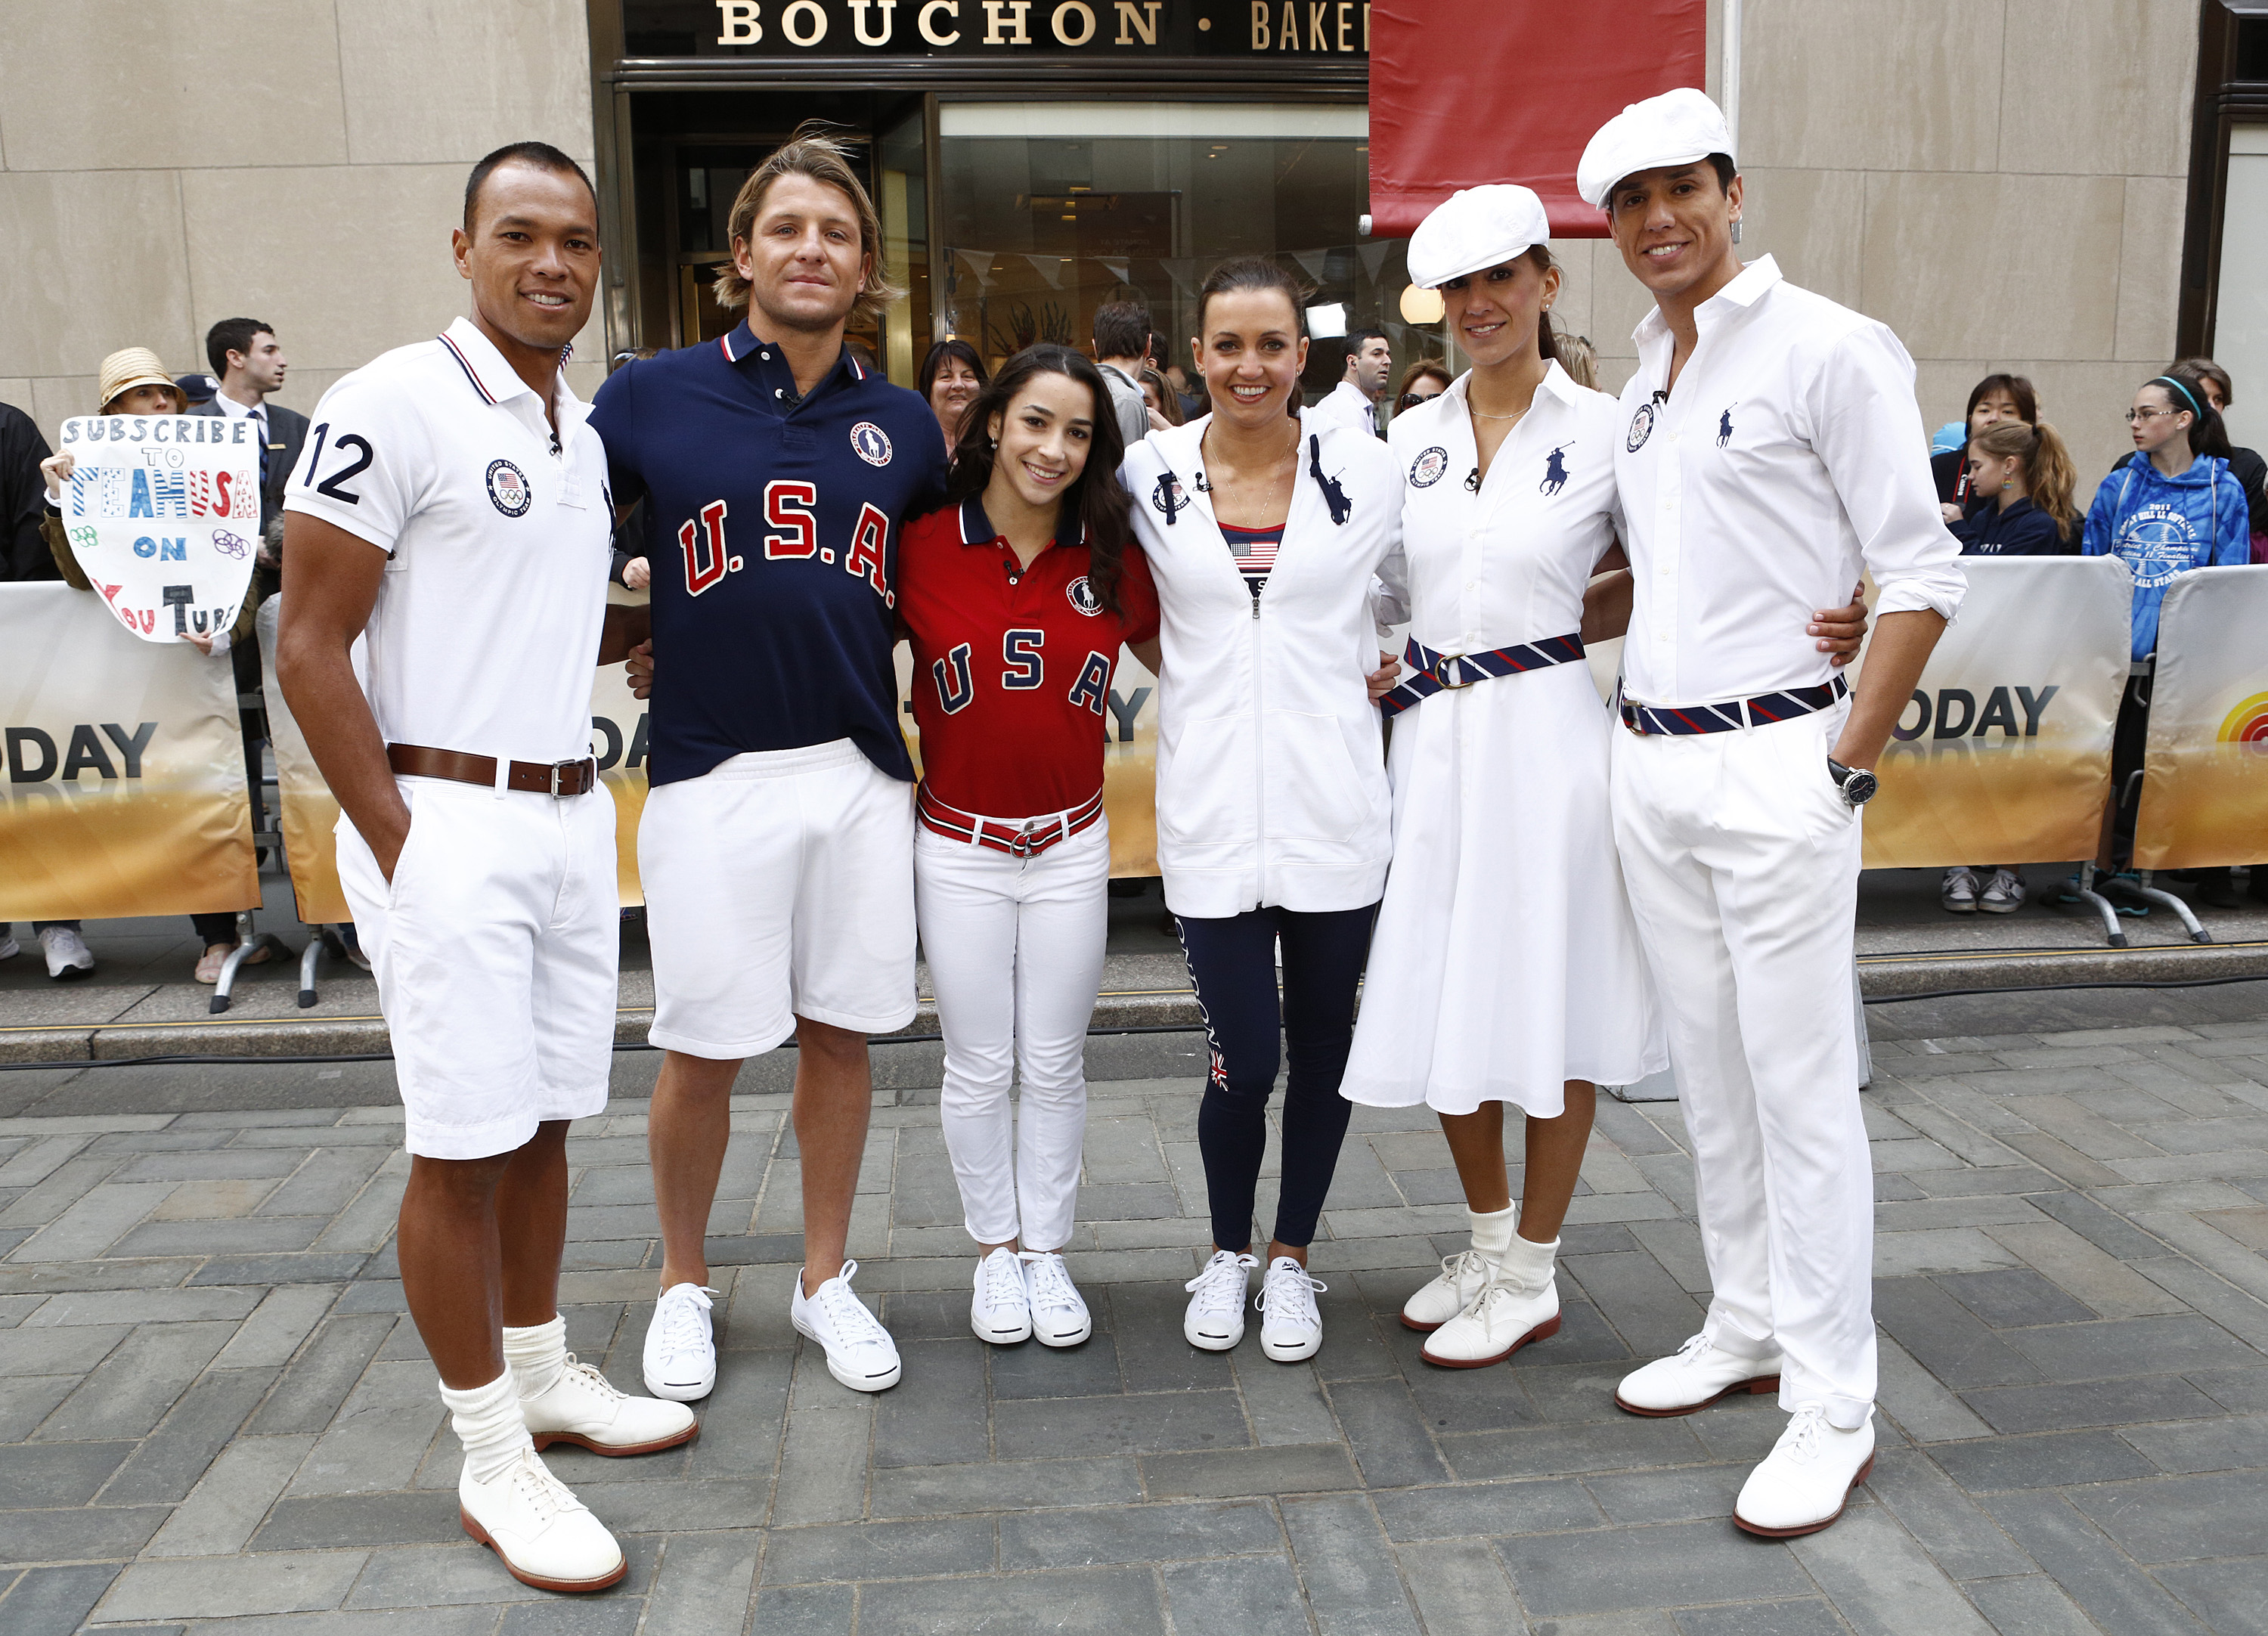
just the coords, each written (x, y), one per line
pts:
(125, 790)
(2003, 753)
(2205, 779)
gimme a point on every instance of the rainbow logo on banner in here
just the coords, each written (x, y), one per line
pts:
(2248, 723)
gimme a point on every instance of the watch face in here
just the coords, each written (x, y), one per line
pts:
(1859, 788)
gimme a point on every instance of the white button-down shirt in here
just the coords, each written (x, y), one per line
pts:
(1789, 457)
(1345, 405)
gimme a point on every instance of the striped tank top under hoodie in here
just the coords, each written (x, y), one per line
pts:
(1254, 549)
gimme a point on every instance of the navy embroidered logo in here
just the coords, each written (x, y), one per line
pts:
(508, 490)
(1725, 427)
(870, 443)
(1554, 471)
(1641, 428)
(1083, 597)
(1166, 496)
(1426, 469)
(1334, 495)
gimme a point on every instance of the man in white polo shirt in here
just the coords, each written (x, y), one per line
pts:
(452, 513)
(1771, 447)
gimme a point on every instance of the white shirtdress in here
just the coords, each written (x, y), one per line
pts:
(1505, 961)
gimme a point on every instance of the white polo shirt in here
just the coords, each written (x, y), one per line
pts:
(1345, 405)
(486, 628)
(1789, 457)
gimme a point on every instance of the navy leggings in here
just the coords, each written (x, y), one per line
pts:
(1232, 963)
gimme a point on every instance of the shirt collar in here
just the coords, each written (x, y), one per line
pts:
(1557, 381)
(1746, 290)
(230, 410)
(493, 378)
(976, 528)
(744, 344)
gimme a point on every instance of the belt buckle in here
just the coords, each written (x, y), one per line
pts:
(1441, 675)
(1020, 844)
(559, 770)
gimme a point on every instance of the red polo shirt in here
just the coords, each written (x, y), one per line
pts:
(1012, 664)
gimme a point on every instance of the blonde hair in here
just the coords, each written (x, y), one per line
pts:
(2048, 469)
(1580, 359)
(812, 152)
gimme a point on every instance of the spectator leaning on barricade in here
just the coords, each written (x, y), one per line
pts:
(1423, 380)
(950, 378)
(1122, 346)
(1361, 389)
(2212, 382)
(2022, 478)
(133, 382)
(1993, 399)
(2173, 508)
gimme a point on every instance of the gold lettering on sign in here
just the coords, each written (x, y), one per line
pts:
(1260, 24)
(1138, 19)
(858, 21)
(1366, 25)
(1008, 14)
(1345, 6)
(1315, 40)
(952, 9)
(738, 24)
(1288, 34)
(1082, 17)
(814, 18)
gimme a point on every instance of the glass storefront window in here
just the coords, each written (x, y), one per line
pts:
(2240, 341)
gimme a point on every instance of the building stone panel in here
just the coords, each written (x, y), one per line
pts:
(2150, 267)
(1882, 84)
(2101, 87)
(91, 261)
(431, 81)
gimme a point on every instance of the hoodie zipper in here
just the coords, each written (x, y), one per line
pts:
(1259, 741)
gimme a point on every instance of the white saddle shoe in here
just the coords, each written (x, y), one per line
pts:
(539, 1531)
(1803, 1484)
(1696, 1376)
(1435, 1302)
(585, 1408)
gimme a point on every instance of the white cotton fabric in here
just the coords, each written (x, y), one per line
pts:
(1474, 229)
(1677, 128)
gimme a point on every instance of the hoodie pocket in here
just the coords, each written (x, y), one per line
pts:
(1208, 791)
(1314, 791)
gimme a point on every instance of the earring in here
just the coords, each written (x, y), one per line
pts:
(1736, 230)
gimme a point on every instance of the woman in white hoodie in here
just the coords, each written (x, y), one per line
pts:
(1263, 528)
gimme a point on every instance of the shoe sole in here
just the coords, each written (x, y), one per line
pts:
(1759, 1385)
(544, 1440)
(1958, 909)
(1742, 1523)
(869, 1384)
(1409, 1322)
(1278, 1355)
(1542, 1331)
(571, 1586)
(2000, 909)
(668, 1393)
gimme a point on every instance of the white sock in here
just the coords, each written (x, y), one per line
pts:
(487, 1420)
(1527, 1264)
(1492, 1231)
(537, 1356)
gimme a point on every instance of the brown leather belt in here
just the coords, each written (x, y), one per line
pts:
(556, 779)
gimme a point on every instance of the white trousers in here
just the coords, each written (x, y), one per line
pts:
(1015, 953)
(1743, 864)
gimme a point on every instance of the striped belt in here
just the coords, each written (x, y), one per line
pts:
(1434, 673)
(1645, 719)
(1019, 837)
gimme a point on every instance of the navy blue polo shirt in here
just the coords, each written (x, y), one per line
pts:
(772, 526)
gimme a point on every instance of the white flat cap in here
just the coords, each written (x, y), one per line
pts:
(1474, 229)
(1677, 128)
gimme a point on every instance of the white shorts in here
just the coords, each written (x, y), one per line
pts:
(495, 949)
(779, 885)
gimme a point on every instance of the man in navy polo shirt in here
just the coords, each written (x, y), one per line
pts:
(776, 844)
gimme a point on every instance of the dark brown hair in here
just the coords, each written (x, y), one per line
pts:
(2203, 369)
(933, 364)
(2016, 386)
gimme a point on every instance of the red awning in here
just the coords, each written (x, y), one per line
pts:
(1467, 92)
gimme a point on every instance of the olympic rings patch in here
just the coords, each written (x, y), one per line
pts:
(1426, 469)
(508, 490)
(1641, 428)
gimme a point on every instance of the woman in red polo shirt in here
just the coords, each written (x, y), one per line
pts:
(1016, 597)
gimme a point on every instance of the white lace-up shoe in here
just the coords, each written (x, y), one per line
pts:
(1463, 1278)
(8, 947)
(69, 958)
(680, 1344)
(1000, 1310)
(585, 1408)
(1958, 891)
(1215, 1318)
(539, 1531)
(1059, 1314)
(859, 1351)
(1695, 1377)
(1519, 1305)
(2003, 894)
(1291, 1328)
(1804, 1482)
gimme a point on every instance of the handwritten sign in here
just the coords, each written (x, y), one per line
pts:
(163, 513)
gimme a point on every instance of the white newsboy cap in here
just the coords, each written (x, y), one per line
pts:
(1474, 229)
(1677, 128)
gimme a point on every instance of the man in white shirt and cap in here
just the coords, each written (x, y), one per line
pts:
(1770, 449)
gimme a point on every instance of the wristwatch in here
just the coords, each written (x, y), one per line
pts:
(1856, 783)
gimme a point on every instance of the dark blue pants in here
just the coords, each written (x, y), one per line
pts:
(1233, 963)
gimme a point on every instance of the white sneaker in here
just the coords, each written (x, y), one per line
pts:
(1291, 1328)
(585, 1408)
(1215, 1318)
(9, 947)
(1958, 892)
(1697, 1375)
(680, 1344)
(2003, 894)
(1463, 1276)
(859, 1351)
(69, 958)
(538, 1530)
(1000, 1309)
(1059, 1314)
(1803, 1484)
(1519, 1305)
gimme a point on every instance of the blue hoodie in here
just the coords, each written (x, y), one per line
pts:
(2164, 526)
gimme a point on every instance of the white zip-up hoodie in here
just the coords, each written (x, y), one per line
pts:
(1271, 776)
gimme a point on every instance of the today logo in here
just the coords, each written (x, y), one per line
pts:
(1954, 713)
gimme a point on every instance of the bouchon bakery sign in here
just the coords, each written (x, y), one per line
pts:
(1229, 28)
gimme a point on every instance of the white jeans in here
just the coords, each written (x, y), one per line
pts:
(1015, 953)
(1743, 864)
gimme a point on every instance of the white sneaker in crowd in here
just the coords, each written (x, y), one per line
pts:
(1059, 1314)
(859, 1351)
(585, 1408)
(1959, 891)
(1696, 1376)
(69, 958)
(1804, 1482)
(1215, 1318)
(2003, 894)
(538, 1528)
(1291, 1327)
(680, 1344)
(1000, 1308)
(1462, 1277)
(8, 947)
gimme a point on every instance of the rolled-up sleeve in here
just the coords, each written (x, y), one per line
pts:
(1867, 429)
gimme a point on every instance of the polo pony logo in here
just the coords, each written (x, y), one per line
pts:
(1554, 471)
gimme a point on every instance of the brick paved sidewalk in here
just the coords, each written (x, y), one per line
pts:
(215, 1417)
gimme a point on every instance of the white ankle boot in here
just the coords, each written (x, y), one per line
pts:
(1519, 1304)
(1463, 1275)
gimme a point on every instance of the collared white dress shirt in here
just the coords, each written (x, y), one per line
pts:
(1789, 457)
(1345, 405)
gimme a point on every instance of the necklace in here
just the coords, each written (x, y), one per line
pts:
(1477, 415)
(1292, 453)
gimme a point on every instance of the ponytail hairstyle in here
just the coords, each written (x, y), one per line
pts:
(2049, 472)
(1095, 499)
(2207, 434)
(1547, 336)
(1257, 272)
